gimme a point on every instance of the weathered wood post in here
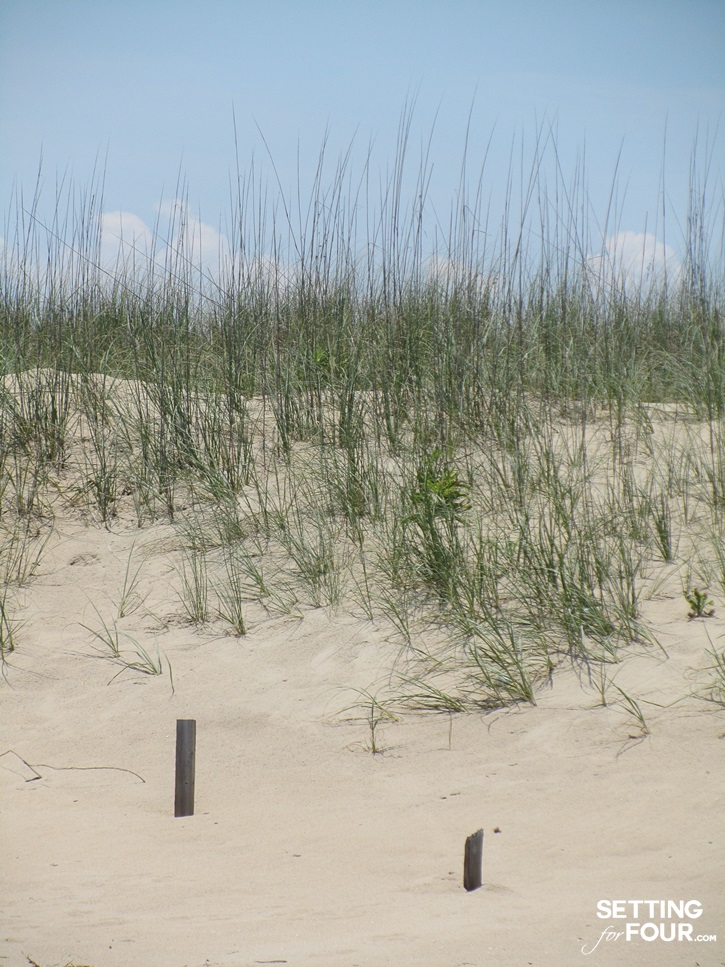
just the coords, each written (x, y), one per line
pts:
(473, 861)
(185, 767)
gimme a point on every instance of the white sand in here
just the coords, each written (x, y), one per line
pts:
(308, 850)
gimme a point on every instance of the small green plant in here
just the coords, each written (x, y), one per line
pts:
(111, 637)
(194, 592)
(632, 707)
(376, 715)
(439, 491)
(231, 593)
(701, 606)
(438, 500)
(129, 599)
(108, 635)
(504, 665)
(145, 662)
(376, 712)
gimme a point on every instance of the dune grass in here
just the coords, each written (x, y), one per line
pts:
(492, 446)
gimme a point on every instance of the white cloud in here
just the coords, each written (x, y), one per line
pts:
(130, 248)
(635, 261)
(193, 241)
(125, 241)
(190, 250)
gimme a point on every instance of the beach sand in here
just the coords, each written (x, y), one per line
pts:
(308, 849)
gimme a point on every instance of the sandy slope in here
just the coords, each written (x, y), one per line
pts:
(305, 848)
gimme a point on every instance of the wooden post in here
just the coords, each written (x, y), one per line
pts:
(473, 861)
(185, 766)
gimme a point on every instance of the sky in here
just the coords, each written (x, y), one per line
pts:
(151, 94)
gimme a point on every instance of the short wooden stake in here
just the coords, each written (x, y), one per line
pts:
(473, 861)
(185, 766)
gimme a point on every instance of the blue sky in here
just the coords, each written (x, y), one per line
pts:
(151, 85)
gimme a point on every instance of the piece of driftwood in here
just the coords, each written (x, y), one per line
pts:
(185, 767)
(473, 861)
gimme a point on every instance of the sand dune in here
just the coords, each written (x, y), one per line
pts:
(305, 848)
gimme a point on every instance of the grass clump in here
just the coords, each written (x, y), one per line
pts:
(112, 641)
